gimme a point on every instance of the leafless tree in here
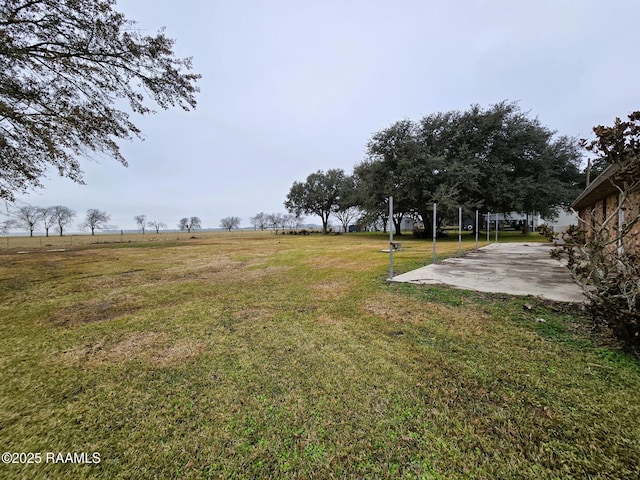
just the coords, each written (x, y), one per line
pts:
(48, 219)
(141, 220)
(260, 221)
(157, 225)
(229, 223)
(189, 224)
(62, 216)
(277, 221)
(28, 217)
(96, 220)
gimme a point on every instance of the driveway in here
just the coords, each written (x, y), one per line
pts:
(512, 268)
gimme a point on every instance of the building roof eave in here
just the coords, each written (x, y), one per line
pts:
(600, 188)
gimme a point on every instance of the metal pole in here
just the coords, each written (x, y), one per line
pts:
(477, 225)
(390, 238)
(488, 225)
(459, 230)
(496, 228)
(434, 233)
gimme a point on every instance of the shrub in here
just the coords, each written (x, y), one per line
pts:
(599, 254)
(609, 279)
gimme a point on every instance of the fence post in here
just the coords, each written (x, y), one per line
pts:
(488, 225)
(459, 230)
(477, 228)
(434, 233)
(390, 238)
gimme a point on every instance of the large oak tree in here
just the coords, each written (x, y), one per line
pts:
(68, 71)
(318, 195)
(496, 159)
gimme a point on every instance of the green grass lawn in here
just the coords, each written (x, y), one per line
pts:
(251, 355)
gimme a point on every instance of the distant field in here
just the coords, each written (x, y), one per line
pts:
(55, 241)
(251, 355)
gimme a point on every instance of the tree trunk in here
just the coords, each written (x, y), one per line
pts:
(398, 227)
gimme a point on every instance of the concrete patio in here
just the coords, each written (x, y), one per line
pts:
(512, 268)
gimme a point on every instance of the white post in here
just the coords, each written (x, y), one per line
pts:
(390, 238)
(434, 233)
(477, 227)
(496, 228)
(459, 230)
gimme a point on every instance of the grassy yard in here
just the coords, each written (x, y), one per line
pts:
(251, 355)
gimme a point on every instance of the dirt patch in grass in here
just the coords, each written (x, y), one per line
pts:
(96, 310)
(216, 268)
(464, 322)
(259, 272)
(154, 348)
(196, 268)
(253, 313)
(331, 290)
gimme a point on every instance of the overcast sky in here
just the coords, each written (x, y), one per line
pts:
(290, 87)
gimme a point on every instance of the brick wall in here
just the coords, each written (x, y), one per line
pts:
(593, 216)
(632, 242)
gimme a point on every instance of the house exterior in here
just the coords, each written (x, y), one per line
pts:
(562, 221)
(515, 220)
(603, 205)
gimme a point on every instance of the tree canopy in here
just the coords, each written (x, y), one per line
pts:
(229, 223)
(619, 143)
(61, 216)
(318, 195)
(141, 221)
(66, 69)
(28, 217)
(96, 220)
(190, 223)
(495, 159)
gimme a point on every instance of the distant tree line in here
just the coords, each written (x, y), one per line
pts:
(275, 221)
(492, 160)
(30, 218)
